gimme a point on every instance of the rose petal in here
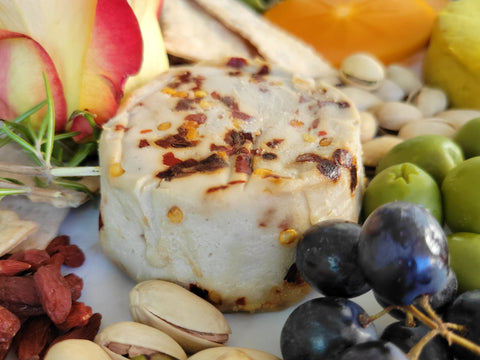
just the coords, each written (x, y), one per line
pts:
(23, 61)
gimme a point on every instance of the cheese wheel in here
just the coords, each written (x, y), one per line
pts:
(211, 173)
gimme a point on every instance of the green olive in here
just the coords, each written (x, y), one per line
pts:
(468, 137)
(435, 154)
(405, 182)
(464, 249)
(461, 196)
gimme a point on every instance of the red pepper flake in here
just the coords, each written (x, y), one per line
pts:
(242, 164)
(322, 133)
(237, 62)
(296, 123)
(119, 127)
(216, 188)
(169, 159)
(143, 143)
(184, 104)
(215, 95)
(241, 115)
(198, 118)
(274, 143)
(145, 131)
(264, 70)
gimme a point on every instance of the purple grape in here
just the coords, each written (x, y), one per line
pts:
(406, 337)
(403, 252)
(323, 328)
(326, 258)
(378, 350)
(465, 310)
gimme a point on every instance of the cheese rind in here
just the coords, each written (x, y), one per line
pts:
(210, 174)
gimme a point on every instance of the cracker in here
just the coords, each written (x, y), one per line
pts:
(192, 34)
(13, 230)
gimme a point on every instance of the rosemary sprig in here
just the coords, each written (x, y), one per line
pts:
(59, 159)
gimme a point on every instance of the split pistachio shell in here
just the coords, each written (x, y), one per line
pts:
(375, 149)
(405, 78)
(232, 353)
(429, 126)
(76, 349)
(392, 115)
(135, 339)
(192, 321)
(429, 100)
(362, 70)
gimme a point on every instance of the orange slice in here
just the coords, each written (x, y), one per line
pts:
(392, 30)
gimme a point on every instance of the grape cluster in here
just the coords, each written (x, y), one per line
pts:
(400, 253)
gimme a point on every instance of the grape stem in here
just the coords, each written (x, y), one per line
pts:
(431, 319)
(434, 322)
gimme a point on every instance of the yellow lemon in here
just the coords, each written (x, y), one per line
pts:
(452, 61)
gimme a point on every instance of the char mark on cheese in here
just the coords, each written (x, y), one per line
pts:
(331, 167)
(192, 166)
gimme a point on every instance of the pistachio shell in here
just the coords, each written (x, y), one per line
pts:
(390, 91)
(405, 78)
(362, 70)
(458, 117)
(193, 322)
(375, 149)
(392, 115)
(429, 100)
(429, 126)
(232, 353)
(368, 126)
(131, 333)
(362, 99)
(76, 349)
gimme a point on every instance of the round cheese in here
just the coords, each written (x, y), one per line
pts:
(211, 173)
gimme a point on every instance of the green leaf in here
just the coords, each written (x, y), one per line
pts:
(13, 181)
(5, 192)
(50, 121)
(28, 147)
(73, 185)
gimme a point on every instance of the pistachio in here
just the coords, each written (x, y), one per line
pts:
(458, 117)
(429, 126)
(392, 115)
(390, 91)
(368, 126)
(192, 321)
(405, 78)
(232, 353)
(362, 99)
(362, 70)
(128, 339)
(429, 100)
(375, 149)
(76, 349)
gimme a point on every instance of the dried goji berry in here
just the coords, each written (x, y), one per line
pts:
(24, 311)
(73, 255)
(79, 316)
(34, 337)
(54, 291)
(87, 332)
(34, 257)
(56, 242)
(76, 285)
(18, 290)
(9, 326)
(13, 267)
